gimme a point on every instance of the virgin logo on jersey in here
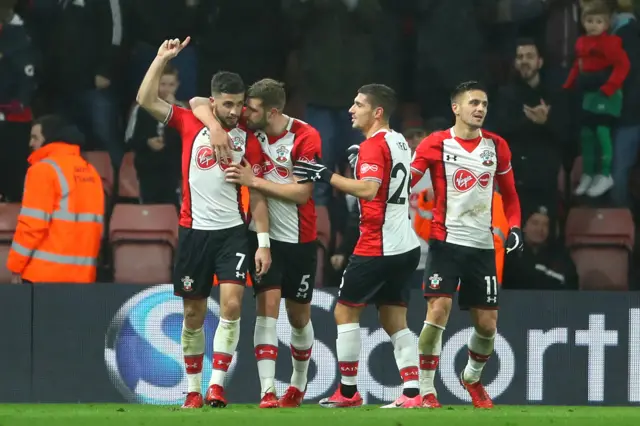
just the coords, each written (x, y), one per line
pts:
(464, 180)
(365, 167)
(269, 167)
(206, 159)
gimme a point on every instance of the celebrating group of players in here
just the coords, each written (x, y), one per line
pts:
(240, 137)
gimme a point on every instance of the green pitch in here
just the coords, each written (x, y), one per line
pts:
(310, 415)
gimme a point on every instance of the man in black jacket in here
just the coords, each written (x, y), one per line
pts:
(536, 122)
(83, 47)
(17, 85)
(156, 148)
(544, 264)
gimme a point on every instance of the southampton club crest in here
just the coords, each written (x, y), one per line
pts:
(434, 281)
(187, 283)
(237, 143)
(282, 153)
(487, 158)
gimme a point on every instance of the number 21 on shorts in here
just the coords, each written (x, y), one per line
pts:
(492, 288)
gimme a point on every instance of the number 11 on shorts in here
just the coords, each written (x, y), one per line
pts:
(492, 287)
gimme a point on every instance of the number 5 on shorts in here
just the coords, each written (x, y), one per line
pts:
(304, 286)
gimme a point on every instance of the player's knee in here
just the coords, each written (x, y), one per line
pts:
(298, 314)
(268, 303)
(438, 309)
(194, 313)
(486, 328)
(346, 314)
(230, 308)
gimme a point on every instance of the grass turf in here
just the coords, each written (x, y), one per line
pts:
(308, 415)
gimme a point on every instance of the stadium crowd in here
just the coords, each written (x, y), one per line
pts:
(85, 59)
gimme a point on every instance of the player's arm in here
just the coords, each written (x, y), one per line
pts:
(366, 188)
(147, 96)
(510, 200)
(421, 158)
(35, 216)
(201, 108)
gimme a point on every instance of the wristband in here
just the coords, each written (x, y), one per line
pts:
(263, 240)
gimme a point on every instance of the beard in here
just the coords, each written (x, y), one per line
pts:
(258, 125)
(227, 122)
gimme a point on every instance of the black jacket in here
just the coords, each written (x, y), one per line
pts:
(537, 150)
(166, 162)
(17, 65)
(549, 268)
(148, 23)
(83, 41)
(629, 31)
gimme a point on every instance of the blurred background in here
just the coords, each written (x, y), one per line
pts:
(85, 59)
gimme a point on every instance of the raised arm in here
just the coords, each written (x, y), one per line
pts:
(147, 96)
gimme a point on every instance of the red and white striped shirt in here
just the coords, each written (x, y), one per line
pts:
(208, 201)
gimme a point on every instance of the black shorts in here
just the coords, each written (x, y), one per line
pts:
(475, 269)
(202, 254)
(293, 269)
(381, 280)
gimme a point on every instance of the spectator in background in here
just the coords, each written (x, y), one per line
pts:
(148, 24)
(60, 225)
(157, 147)
(598, 54)
(535, 121)
(83, 47)
(337, 56)
(627, 136)
(543, 265)
(17, 84)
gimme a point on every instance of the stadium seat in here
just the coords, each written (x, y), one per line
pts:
(128, 186)
(8, 222)
(102, 162)
(602, 268)
(601, 241)
(143, 239)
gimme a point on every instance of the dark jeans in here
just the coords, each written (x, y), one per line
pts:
(14, 150)
(625, 154)
(334, 126)
(96, 114)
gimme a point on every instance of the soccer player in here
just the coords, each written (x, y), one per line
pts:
(387, 252)
(292, 216)
(212, 237)
(463, 161)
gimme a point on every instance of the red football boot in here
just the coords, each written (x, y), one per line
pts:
(193, 400)
(430, 401)
(269, 400)
(215, 397)
(292, 398)
(337, 400)
(479, 396)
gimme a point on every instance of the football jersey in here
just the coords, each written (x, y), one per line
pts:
(208, 201)
(385, 226)
(462, 173)
(289, 222)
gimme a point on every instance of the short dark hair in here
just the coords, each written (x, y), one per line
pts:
(170, 70)
(527, 41)
(466, 87)
(271, 92)
(56, 129)
(227, 82)
(381, 96)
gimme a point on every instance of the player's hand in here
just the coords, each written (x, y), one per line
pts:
(221, 144)
(352, 153)
(263, 261)
(170, 48)
(241, 174)
(514, 241)
(307, 171)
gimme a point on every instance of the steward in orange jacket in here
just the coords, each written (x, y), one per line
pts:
(422, 226)
(59, 229)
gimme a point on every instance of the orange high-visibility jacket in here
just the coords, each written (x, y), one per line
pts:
(422, 226)
(244, 193)
(60, 224)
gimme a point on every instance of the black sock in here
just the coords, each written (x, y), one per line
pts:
(410, 392)
(348, 390)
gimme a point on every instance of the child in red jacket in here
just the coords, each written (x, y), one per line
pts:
(598, 52)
